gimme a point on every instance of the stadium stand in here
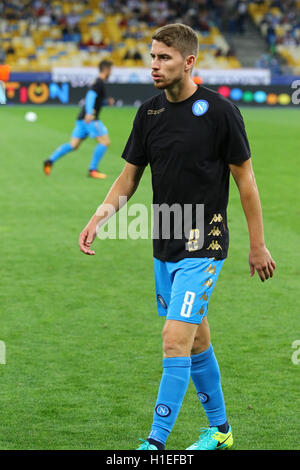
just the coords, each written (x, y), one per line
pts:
(279, 23)
(38, 35)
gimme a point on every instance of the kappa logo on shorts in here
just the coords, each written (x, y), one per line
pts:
(162, 410)
(200, 107)
(161, 300)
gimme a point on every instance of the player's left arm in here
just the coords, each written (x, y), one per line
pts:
(260, 259)
(90, 100)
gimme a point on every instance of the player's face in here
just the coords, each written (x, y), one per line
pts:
(106, 73)
(167, 65)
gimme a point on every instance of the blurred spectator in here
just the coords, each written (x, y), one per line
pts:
(218, 12)
(271, 35)
(76, 34)
(242, 14)
(289, 40)
(230, 52)
(95, 41)
(72, 20)
(66, 34)
(45, 19)
(132, 54)
(10, 49)
(269, 61)
(232, 22)
(2, 55)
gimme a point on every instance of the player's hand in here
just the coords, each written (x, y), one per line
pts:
(88, 118)
(260, 260)
(87, 237)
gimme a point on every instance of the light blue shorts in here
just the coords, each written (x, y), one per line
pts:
(183, 288)
(92, 129)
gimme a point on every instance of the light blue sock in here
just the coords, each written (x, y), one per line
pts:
(61, 151)
(97, 156)
(173, 386)
(205, 374)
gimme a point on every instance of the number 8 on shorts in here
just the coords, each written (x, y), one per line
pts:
(187, 305)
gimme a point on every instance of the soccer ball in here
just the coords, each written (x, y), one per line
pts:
(30, 116)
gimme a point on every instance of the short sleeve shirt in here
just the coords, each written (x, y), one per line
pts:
(99, 87)
(188, 146)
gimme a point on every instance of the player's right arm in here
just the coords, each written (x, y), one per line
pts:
(122, 190)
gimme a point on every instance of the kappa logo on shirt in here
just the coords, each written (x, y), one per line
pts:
(200, 107)
(155, 112)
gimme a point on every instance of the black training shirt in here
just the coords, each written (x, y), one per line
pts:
(188, 146)
(99, 87)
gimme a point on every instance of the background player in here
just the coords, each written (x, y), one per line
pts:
(88, 125)
(4, 77)
(192, 138)
(2, 93)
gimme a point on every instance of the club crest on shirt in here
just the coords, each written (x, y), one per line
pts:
(200, 107)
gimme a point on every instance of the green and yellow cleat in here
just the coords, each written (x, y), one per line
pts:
(146, 446)
(213, 439)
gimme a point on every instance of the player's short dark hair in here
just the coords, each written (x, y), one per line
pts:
(105, 64)
(180, 36)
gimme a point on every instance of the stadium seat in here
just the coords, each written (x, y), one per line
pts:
(99, 32)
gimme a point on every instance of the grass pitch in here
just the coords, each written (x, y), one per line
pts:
(83, 345)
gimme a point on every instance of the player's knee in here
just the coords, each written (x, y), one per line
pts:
(173, 345)
(202, 338)
(104, 140)
(74, 143)
(200, 345)
(172, 349)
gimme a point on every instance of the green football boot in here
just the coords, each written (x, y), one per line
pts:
(213, 439)
(146, 445)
